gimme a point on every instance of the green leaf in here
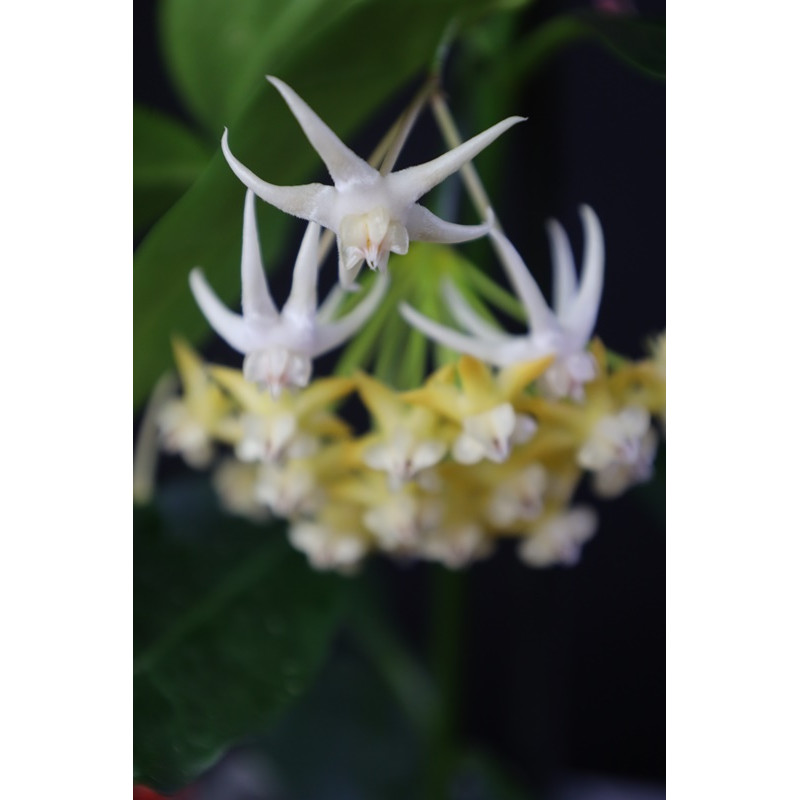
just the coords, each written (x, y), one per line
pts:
(345, 70)
(348, 732)
(230, 626)
(167, 159)
(218, 51)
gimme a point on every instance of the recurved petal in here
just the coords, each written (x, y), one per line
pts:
(486, 351)
(343, 164)
(425, 226)
(303, 296)
(312, 201)
(231, 327)
(564, 277)
(256, 299)
(410, 184)
(581, 316)
(466, 315)
(333, 334)
(540, 316)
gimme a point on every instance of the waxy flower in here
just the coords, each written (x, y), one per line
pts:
(372, 214)
(279, 346)
(558, 539)
(188, 425)
(482, 405)
(408, 439)
(562, 332)
(236, 486)
(620, 451)
(273, 429)
(335, 539)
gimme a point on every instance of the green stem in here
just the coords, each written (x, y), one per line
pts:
(358, 353)
(475, 190)
(391, 351)
(412, 371)
(446, 648)
(410, 684)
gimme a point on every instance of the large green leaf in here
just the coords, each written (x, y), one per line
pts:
(217, 51)
(345, 70)
(167, 159)
(230, 625)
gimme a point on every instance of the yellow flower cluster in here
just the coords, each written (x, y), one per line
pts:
(444, 471)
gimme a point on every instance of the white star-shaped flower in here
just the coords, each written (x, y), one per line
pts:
(280, 346)
(562, 332)
(372, 214)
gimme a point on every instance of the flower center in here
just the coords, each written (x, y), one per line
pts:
(371, 237)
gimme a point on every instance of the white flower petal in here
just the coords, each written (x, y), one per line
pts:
(564, 274)
(256, 299)
(520, 498)
(276, 368)
(231, 327)
(343, 164)
(524, 428)
(410, 184)
(540, 317)
(425, 226)
(466, 315)
(559, 539)
(350, 262)
(330, 305)
(467, 450)
(486, 435)
(485, 351)
(581, 315)
(312, 201)
(333, 334)
(302, 300)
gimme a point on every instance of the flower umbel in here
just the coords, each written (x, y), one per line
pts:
(279, 346)
(453, 461)
(372, 214)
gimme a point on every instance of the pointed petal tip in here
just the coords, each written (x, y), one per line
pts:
(280, 85)
(407, 311)
(196, 277)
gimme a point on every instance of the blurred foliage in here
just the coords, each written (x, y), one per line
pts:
(230, 625)
(168, 159)
(354, 732)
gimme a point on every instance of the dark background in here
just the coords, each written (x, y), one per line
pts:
(563, 670)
